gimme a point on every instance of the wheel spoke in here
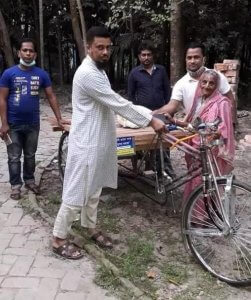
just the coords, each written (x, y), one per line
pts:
(243, 255)
(205, 232)
(223, 251)
(243, 234)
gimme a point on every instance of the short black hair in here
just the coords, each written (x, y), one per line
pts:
(27, 40)
(193, 45)
(146, 45)
(97, 31)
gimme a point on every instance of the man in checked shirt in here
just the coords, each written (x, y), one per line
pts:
(92, 160)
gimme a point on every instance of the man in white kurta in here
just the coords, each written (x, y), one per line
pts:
(91, 159)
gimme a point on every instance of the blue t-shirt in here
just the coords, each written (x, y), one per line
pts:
(23, 99)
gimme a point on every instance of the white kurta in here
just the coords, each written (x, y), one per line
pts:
(92, 160)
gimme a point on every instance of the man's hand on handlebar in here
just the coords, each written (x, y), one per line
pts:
(62, 122)
(169, 118)
(157, 125)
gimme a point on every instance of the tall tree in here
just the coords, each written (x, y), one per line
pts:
(5, 41)
(76, 29)
(134, 21)
(176, 43)
(41, 27)
(35, 6)
(83, 27)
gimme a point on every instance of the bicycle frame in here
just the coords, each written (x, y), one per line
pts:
(173, 183)
(209, 171)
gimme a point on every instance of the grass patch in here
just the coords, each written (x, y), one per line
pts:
(108, 222)
(134, 263)
(106, 278)
(54, 199)
(174, 273)
(50, 204)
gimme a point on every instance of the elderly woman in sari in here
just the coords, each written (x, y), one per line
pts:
(208, 104)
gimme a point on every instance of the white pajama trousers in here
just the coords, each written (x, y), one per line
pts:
(67, 214)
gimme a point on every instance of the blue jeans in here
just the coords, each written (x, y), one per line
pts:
(24, 139)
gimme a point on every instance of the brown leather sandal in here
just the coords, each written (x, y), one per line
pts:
(69, 251)
(101, 240)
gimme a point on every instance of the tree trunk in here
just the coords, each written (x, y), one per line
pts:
(49, 58)
(164, 51)
(177, 42)
(67, 65)
(83, 27)
(132, 37)
(60, 56)
(41, 26)
(5, 42)
(76, 29)
(36, 22)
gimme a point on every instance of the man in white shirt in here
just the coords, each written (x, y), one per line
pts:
(91, 159)
(184, 90)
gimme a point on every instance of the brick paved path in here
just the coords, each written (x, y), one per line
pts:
(28, 269)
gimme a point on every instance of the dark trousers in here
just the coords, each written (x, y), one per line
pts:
(167, 163)
(153, 161)
(24, 139)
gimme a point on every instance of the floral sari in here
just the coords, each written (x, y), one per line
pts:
(215, 106)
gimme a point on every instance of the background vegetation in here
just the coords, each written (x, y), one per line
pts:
(59, 28)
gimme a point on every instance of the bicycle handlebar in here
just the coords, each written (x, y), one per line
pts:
(198, 126)
(172, 127)
(210, 125)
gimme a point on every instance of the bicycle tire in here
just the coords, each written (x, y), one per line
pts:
(62, 154)
(227, 257)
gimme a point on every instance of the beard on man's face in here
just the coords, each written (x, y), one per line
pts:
(102, 64)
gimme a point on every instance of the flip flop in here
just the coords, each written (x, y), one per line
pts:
(68, 250)
(15, 194)
(101, 240)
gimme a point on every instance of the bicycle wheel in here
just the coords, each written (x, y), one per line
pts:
(62, 154)
(225, 252)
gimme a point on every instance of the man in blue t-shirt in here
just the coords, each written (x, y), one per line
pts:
(19, 111)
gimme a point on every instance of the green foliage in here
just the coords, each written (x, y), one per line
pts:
(108, 221)
(137, 258)
(134, 263)
(106, 278)
(122, 11)
(174, 273)
(220, 24)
